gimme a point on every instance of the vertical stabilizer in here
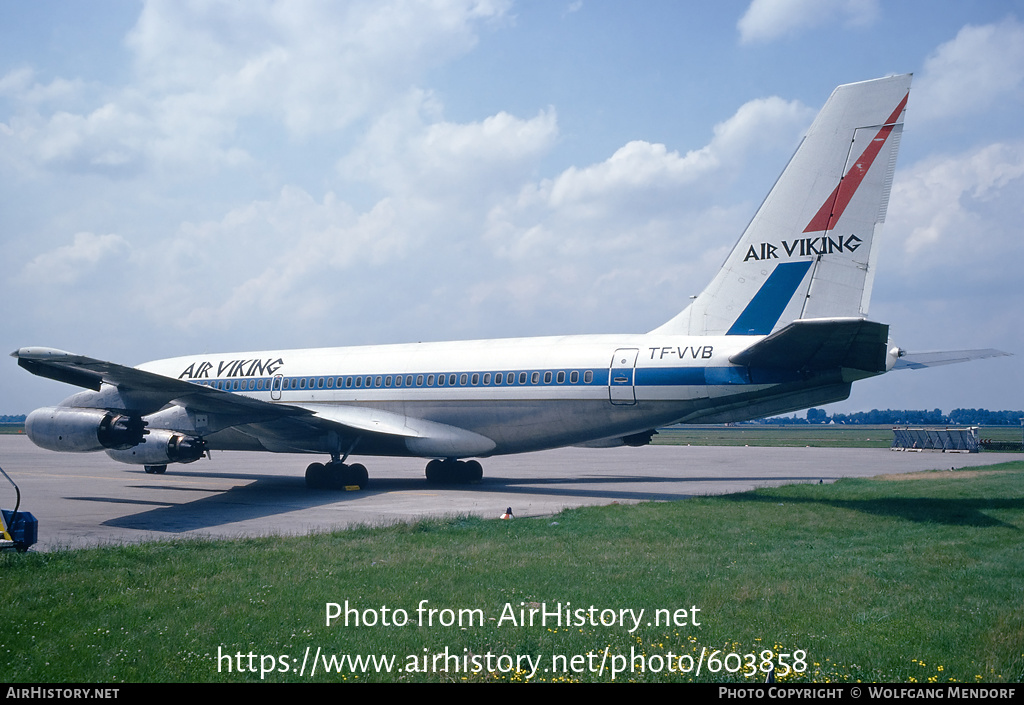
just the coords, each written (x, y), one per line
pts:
(807, 253)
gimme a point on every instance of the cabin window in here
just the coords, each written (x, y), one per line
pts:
(574, 376)
(547, 377)
(376, 381)
(348, 381)
(319, 382)
(302, 383)
(588, 376)
(408, 380)
(463, 378)
(522, 378)
(487, 378)
(419, 380)
(451, 380)
(430, 380)
(561, 377)
(387, 381)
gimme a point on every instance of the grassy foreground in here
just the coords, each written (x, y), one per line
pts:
(911, 578)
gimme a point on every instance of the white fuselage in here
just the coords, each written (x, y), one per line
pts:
(523, 394)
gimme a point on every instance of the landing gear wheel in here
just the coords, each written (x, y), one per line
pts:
(454, 472)
(155, 469)
(316, 476)
(358, 475)
(474, 472)
(434, 472)
(336, 476)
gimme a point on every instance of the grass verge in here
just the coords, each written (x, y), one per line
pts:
(916, 578)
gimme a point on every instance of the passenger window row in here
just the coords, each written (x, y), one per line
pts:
(451, 379)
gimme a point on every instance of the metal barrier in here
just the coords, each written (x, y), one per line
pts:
(960, 440)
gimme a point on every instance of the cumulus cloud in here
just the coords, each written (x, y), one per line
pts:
(768, 20)
(949, 214)
(967, 74)
(410, 150)
(83, 259)
(202, 67)
(601, 206)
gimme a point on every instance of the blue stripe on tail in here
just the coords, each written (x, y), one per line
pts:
(765, 309)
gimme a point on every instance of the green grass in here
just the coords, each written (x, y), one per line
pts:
(911, 579)
(817, 436)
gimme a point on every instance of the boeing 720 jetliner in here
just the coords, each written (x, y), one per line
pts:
(783, 326)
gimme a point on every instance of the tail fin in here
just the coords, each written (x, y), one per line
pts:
(808, 252)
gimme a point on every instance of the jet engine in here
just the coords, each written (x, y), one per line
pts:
(161, 447)
(82, 430)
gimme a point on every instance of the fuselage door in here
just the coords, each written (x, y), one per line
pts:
(620, 376)
(275, 388)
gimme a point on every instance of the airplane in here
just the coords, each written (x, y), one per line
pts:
(783, 326)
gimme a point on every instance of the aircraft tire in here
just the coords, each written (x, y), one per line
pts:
(358, 475)
(474, 471)
(155, 469)
(316, 476)
(435, 472)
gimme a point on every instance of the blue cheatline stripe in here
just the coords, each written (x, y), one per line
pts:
(644, 377)
(765, 309)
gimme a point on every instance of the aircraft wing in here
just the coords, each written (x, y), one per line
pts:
(146, 392)
(919, 361)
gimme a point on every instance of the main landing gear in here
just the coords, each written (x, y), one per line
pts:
(336, 475)
(454, 472)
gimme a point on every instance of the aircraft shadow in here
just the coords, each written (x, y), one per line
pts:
(263, 496)
(951, 512)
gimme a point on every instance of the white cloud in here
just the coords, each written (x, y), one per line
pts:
(200, 68)
(950, 214)
(410, 150)
(601, 206)
(966, 75)
(86, 256)
(768, 20)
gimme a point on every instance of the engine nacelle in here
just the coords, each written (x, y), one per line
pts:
(161, 447)
(74, 430)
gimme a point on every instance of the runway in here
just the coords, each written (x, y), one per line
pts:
(88, 499)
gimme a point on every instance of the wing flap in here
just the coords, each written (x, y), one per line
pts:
(421, 437)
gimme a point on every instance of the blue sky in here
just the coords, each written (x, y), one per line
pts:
(186, 177)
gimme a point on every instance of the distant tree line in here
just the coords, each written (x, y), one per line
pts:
(903, 417)
(12, 419)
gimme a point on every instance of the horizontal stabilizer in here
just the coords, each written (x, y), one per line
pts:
(920, 361)
(816, 344)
